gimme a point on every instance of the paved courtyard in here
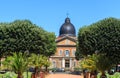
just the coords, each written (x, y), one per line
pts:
(63, 76)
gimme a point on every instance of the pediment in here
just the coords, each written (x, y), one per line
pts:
(66, 40)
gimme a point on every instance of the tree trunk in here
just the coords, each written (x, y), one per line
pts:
(87, 74)
(36, 73)
(93, 74)
(46, 68)
(20, 75)
(0, 61)
(33, 75)
(84, 73)
(103, 75)
(36, 69)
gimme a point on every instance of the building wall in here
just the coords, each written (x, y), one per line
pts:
(60, 59)
(61, 51)
(66, 42)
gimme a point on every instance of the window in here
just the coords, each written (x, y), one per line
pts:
(60, 52)
(67, 53)
(54, 64)
(73, 52)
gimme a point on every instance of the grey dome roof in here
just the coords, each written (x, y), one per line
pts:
(67, 28)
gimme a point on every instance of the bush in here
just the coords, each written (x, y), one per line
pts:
(10, 75)
(13, 75)
(77, 69)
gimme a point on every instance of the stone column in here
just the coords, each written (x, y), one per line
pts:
(63, 63)
(70, 62)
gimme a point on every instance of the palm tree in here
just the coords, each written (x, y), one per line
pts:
(18, 63)
(103, 64)
(90, 64)
(46, 63)
(37, 61)
(96, 62)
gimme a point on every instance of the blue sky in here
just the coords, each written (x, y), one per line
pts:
(50, 14)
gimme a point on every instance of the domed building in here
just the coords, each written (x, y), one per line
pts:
(64, 57)
(67, 29)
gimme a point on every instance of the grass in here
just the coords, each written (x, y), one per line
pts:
(13, 75)
(115, 75)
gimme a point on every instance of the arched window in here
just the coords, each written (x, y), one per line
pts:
(67, 53)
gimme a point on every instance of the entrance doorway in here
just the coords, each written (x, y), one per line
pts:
(67, 63)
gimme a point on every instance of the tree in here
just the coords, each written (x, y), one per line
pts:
(22, 35)
(89, 63)
(96, 62)
(103, 64)
(46, 63)
(18, 63)
(2, 33)
(37, 61)
(102, 37)
(6, 63)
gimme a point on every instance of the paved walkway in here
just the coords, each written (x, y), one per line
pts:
(63, 76)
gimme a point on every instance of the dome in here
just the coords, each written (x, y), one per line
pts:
(67, 28)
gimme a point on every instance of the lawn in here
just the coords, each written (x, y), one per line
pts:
(116, 75)
(13, 75)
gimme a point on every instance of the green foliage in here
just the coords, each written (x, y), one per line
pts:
(18, 62)
(25, 74)
(14, 75)
(116, 75)
(39, 60)
(22, 35)
(6, 63)
(77, 69)
(36, 60)
(89, 62)
(103, 63)
(46, 61)
(102, 36)
(96, 62)
(10, 75)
